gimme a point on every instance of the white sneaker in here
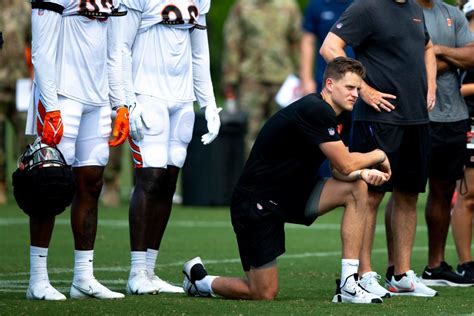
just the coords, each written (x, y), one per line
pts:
(139, 283)
(163, 286)
(194, 271)
(44, 291)
(370, 283)
(351, 292)
(409, 285)
(91, 288)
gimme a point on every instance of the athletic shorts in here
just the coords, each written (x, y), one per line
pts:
(259, 226)
(469, 158)
(448, 150)
(407, 148)
(87, 129)
(168, 135)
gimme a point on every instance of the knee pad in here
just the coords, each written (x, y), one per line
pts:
(183, 127)
(177, 154)
(99, 155)
(68, 149)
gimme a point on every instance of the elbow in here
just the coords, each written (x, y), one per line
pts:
(346, 168)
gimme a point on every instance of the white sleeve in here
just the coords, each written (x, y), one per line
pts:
(131, 23)
(44, 45)
(203, 89)
(114, 63)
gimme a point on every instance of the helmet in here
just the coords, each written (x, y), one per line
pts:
(43, 183)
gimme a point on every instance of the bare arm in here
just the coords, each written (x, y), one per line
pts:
(459, 57)
(307, 51)
(371, 176)
(430, 65)
(467, 89)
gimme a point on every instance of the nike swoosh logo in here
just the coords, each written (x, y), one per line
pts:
(429, 273)
(89, 291)
(461, 273)
(350, 293)
(41, 256)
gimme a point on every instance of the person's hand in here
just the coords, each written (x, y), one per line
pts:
(213, 124)
(138, 120)
(430, 100)
(52, 129)
(121, 127)
(374, 176)
(376, 99)
(384, 165)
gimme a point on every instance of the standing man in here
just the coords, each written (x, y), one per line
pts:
(279, 185)
(168, 68)
(15, 61)
(463, 212)
(74, 75)
(319, 17)
(261, 39)
(392, 115)
(454, 49)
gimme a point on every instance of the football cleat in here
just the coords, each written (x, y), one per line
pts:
(91, 288)
(44, 291)
(139, 283)
(370, 282)
(163, 286)
(352, 292)
(194, 271)
(409, 285)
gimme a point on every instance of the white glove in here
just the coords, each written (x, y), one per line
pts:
(137, 116)
(213, 124)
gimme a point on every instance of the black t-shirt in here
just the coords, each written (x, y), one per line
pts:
(469, 78)
(283, 164)
(389, 39)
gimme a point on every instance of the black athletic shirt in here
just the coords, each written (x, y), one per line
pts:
(389, 39)
(283, 164)
(469, 78)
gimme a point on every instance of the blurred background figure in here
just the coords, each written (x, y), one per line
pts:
(261, 40)
(15, 63)
(463, 212)
(319, 17)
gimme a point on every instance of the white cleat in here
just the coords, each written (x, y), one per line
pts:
(409, 285)
(163, 286)
(370, 282)
(351, 292)
(91, 288)
(194, 271)
(139, 283)
(44, 291)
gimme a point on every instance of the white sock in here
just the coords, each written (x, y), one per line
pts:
(349, 267)
(205, 285)
(83, 264)
(138, 261)
(38, 264)
(151, 255)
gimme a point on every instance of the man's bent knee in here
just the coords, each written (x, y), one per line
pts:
(267, 294)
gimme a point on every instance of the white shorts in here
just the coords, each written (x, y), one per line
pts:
(87, 130)
(166, 140)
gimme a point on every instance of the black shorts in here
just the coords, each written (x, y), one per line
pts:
(259, 230)
(469, 158)
(407, 148)
(448, 150)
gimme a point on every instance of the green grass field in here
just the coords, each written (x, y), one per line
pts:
(307, 270)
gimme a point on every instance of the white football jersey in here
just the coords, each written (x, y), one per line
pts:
(164, 50)
(81, 56)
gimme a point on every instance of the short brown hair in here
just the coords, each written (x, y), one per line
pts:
(339, 66)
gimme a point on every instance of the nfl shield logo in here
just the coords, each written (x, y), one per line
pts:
(331, 131)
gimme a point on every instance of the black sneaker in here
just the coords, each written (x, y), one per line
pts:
(444, 276)
(466, 270)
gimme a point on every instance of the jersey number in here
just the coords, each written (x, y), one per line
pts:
(92, 5)
(192, 10)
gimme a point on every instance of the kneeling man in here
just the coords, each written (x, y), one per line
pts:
(279, 185)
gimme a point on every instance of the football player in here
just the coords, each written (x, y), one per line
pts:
(167, 68)
(74, 49)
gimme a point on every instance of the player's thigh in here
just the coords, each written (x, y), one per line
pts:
(181, 132)
(92, 148)
(152, 150)
(71, 113)
(337, 193)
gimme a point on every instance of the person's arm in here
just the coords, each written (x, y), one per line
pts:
(307, 51)
(371, 176)
(430, 65)
(332, 47)
(232, 56)
(203, 89)
(347, 162)
(467, 89)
